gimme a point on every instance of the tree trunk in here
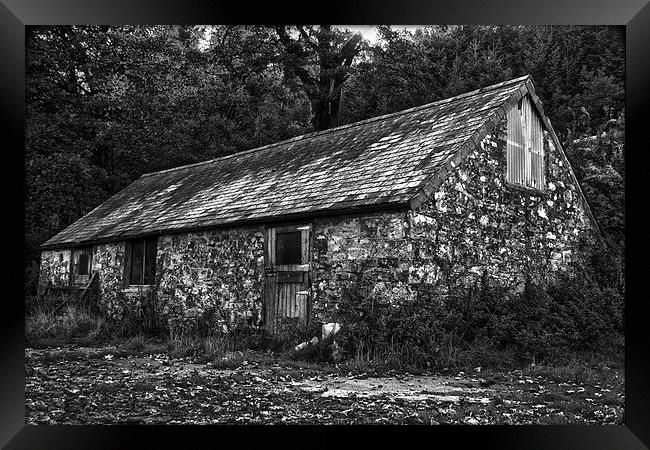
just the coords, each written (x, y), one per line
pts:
(324, 91)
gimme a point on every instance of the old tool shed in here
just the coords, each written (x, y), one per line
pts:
(474, 185)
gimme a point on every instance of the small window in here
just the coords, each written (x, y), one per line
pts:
(83, 264)
(142, 261)
(525, 148)
(288, 249)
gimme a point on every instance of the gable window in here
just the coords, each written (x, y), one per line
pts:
(142, 261)
(525, 149)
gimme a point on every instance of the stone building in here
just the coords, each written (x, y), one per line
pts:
(475, 185)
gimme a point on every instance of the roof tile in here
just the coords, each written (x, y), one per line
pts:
(379, 160)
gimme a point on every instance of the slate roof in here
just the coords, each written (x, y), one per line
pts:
(391, 160)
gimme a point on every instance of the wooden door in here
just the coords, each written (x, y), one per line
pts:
(287, 275)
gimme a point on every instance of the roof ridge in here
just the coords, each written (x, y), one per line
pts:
(349, 125)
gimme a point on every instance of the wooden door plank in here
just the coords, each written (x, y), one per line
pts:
(284, 282)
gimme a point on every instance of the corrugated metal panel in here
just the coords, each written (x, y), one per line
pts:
(525, 149)
(515, 147)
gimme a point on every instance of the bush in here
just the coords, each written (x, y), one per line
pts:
(136, 344)
(320, 352)
(485, 324)
(138, 315)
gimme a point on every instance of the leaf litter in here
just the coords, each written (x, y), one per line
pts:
(91, 386)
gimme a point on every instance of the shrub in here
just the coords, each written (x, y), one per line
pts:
(140, 315)
(484, 323)
(135, 344)
(320, 352)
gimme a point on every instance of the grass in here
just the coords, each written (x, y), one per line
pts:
(75, 326)
(79, 327)
(581, 367)
(72, 325)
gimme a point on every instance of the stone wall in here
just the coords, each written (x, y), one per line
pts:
(375, 245)
(477, 222)
(55, 268)
(222, 271)
(108, 262)
(218, 271)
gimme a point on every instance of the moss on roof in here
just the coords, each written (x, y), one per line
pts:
(386, 160)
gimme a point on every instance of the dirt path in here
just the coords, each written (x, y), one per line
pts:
(84, 385)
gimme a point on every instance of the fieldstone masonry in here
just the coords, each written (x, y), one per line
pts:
(376, 246)
(221, 270)
(108, 262)
(55, 267)
(477, 222)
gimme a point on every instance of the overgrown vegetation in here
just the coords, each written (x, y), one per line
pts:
(579, 313)
(71, 324)
(578, 317)
(205, 340)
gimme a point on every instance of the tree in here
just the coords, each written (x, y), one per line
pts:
(321, 57)
(106, 104)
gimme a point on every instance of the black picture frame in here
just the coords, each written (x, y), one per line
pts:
(634, 15)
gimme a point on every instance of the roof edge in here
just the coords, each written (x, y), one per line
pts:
(424, 191)
(394, 205)
(547, 122)
(92, 210)
(588, 210)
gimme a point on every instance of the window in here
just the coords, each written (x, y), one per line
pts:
(525, 149)
(83, 264)
(287, 247)
(142, 261)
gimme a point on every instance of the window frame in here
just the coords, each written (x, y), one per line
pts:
(305, 247)
(74, 277)
(128, 266)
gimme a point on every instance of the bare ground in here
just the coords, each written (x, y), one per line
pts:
(100, 386)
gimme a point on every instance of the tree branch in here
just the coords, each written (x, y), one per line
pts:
(307, 38)
(350, 49)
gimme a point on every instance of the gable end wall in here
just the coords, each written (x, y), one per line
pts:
(476, 222)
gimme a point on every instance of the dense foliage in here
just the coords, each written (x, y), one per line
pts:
(105, 104)
(487, 324)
